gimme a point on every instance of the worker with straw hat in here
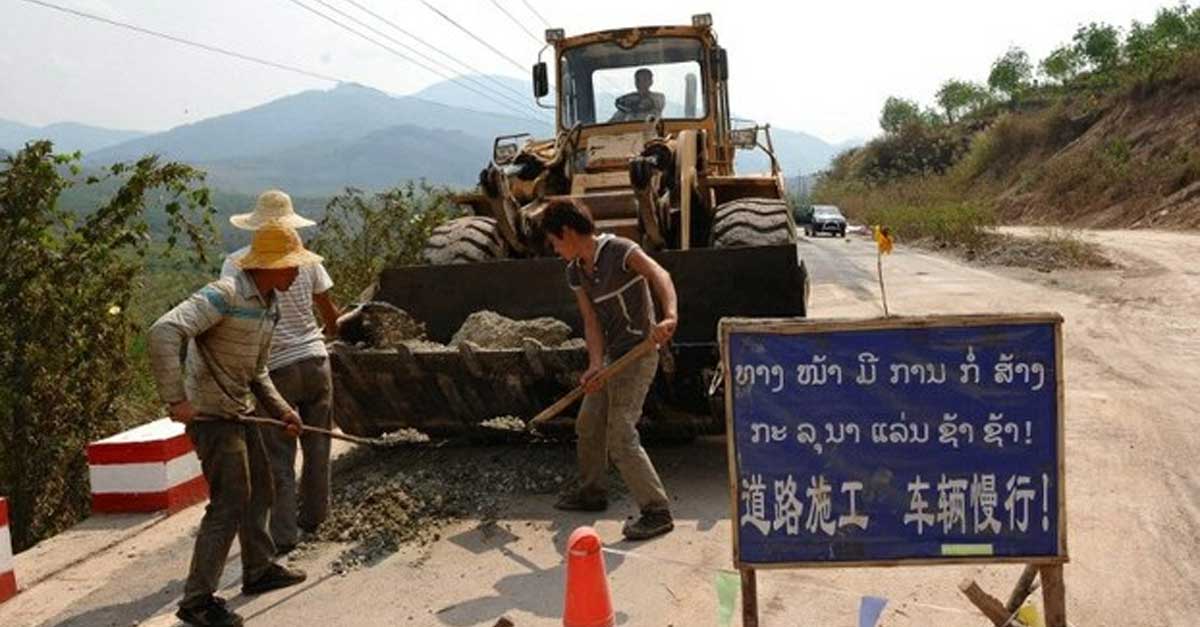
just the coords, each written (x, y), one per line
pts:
(227, 327)
(299, 367)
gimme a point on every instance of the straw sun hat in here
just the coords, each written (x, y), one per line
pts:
(273, 207)
(275, 246)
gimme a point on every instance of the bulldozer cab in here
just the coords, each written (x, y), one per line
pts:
(617, 82)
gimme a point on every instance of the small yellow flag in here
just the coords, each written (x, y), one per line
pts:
(1028, 614)
(883, 239)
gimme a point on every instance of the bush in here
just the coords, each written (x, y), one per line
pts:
(360, 235)
(68, 279)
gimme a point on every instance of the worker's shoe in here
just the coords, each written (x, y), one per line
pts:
(276, 577)
(576, 501)
(651, 524)
(210, 612)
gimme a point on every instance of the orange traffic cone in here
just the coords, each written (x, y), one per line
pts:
(588, 603)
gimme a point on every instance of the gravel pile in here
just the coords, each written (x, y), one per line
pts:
(380, 325)
(385, 498)
(489, 329)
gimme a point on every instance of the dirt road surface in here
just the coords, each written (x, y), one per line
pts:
(1132, 359)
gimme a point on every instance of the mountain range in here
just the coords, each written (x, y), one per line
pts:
(319, 141)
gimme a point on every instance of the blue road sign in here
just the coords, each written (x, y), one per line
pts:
(895, 439)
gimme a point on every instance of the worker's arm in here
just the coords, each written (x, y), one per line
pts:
(329, 312)
(664, 292)
(271, 400)
(167, 337)
(595, 342)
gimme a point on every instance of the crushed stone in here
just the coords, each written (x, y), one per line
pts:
(383, 498)
(504, 423)
(489, 329)
(378, 324)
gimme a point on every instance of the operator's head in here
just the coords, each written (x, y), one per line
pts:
(569, 227)
(643, 79)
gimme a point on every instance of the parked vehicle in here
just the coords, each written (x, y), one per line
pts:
(826, 219)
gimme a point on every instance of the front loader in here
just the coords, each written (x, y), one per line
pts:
(651, 162)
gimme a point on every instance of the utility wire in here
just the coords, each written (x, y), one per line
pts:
(186, 42)
(402, 55)
(535, 12)
(228, 53)
(472, 35)
(517, 22)
(520, 104)
(409, 34)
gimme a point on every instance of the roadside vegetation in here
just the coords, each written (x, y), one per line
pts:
(91, 259)
(1098, 133)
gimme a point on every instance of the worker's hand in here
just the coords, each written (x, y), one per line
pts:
(589, 381)
(183, 411)
(292, 420)
(331, 330)
(664, 330)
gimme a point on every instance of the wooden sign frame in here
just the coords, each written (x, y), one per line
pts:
(1050, 567)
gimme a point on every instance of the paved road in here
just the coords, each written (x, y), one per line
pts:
(1132, 359)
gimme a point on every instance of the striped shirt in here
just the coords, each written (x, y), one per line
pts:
(227, 327)
(298, 336)
(620, 296)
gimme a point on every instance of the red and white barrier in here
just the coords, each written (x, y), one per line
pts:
(8, 581)
(148, 469)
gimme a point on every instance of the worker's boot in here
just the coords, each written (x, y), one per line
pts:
(209, 613)
(652, 523)
(276, 577)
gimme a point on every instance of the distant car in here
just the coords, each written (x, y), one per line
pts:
(826, 219)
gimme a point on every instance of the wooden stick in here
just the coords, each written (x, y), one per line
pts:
(988, 604)
(882, 287)
(1025, 587)
(1054, 595)
(605, 374)
(326, 432)
(749, 598)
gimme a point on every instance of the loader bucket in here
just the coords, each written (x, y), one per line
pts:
(450, 391)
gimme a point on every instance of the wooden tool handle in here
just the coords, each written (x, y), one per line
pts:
(326, 432)
(605, 374)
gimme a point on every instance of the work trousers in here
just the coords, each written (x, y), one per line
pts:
(240, 494)
(307, 386)
(607, 428)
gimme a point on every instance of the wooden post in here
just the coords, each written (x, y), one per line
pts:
(988, 604)
(749, 598)
(1054, 595)
(1022, 590)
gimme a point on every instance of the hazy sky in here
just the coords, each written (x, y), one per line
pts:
(824, 68)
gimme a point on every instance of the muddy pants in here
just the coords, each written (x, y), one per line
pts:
(306, 385)
(240, 494)
(607, 428)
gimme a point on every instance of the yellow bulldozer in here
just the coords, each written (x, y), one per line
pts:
(644, 139)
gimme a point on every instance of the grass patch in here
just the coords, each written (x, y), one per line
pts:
(1054, 249)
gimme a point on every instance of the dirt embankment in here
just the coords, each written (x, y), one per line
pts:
(1133, 161)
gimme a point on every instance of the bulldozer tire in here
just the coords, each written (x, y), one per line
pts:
(465, 240)
(753, 222)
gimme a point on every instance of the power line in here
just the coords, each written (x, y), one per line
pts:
(517, 22)
(186, 42)
(230, 53)
(535, 12)
(474, 36)
(461, 63)
(519, 103)
(401, 55)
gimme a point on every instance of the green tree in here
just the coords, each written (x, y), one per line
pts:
(898, 113)
(362, 234)
(66, 282)
(957, 98)
(1099, 45)
(1062, 64)
(1011, 74)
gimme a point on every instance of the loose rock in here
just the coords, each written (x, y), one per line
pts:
(489, 329)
